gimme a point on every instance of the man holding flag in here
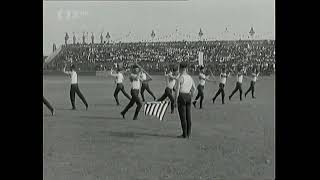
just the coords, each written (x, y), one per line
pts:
(135, 79)
(145, 85)
(171, 78)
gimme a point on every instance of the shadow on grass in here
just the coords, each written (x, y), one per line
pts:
(137, 134)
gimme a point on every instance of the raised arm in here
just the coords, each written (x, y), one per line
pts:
(66, 72)
(111, 73)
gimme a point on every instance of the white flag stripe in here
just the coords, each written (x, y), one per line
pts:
(160, 108)
(151, 109)
(163, 111)
(156, 109)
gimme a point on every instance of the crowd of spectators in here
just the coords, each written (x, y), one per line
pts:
(157, 56)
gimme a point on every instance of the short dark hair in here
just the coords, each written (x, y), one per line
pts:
(135, 66)
(174, 68)
(72, 66)
(183, 65)
(201, 67)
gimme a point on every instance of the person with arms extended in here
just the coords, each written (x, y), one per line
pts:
(184, 92)
(223, 80)
(240, 75)
(203, 78)
(254, 76)
(119, 81)
(74, 87)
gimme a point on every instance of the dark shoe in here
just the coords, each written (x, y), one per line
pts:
(135, 119)
(74, 109)
(118, 104)
(194, 103)
(253, 97)
(181, 136)
(222, 102)
(122, 115)
(213, 101)
(87, 107)
(172, 112)
(229, 98)
(155, 99)
(53, 112)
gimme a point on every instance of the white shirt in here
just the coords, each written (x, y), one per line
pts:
(171, 81)
(254, 77)
(186, 83)
(240, 78)
(136, 83)
(202, 78)
(223, 78)
(143, 76)
(73, 76)
(119, 77)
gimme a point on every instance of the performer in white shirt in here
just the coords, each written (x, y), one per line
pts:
(223, 80)
(119, 80)
(74, 87)
(171, 79)
(48, 105)
(203, 78)
(254, 76)
(240, 75)
(184, 93)
(135, 79)
(145, 85)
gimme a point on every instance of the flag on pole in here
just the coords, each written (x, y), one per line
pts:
(200, 58)
(156, 108)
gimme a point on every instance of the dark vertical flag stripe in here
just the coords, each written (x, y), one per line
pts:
(151, 109)
(156, 109)
(148, 109)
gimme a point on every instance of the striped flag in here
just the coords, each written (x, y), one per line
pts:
(156, 108)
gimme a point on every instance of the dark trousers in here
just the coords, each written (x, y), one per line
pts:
(200, 94)
(47, 104)
(184, 108)
(251, 88)
(145, 86)
(168, 93)
(73, 90)
(119, 88)
(238, 87)
(134, 99)
(221, 90)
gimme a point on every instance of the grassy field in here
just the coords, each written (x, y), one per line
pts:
(231, 141)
